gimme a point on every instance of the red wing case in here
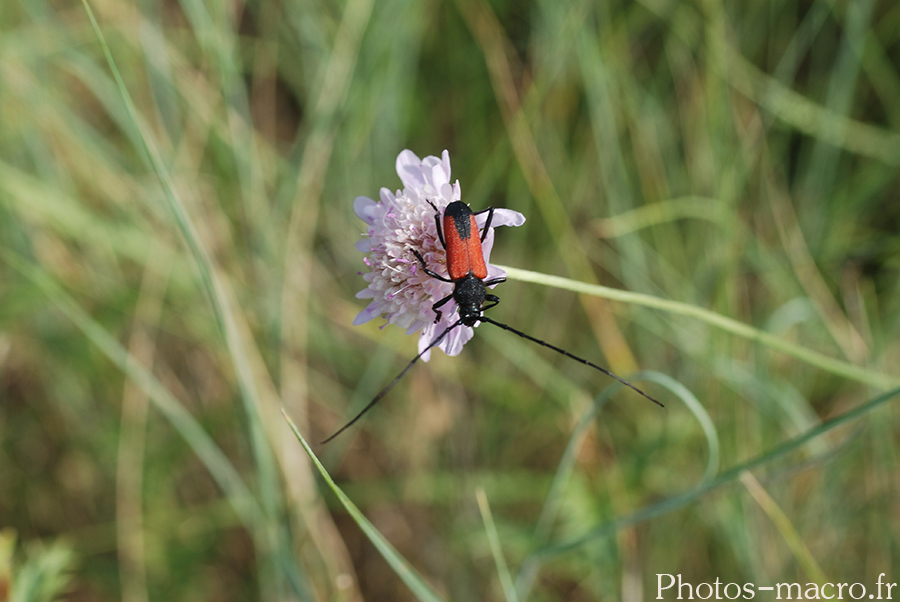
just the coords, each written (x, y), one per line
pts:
(464, 252)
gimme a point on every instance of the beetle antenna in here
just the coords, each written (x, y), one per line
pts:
(391, 384)
(567, 354)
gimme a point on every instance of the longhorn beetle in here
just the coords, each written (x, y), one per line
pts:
(467, 272)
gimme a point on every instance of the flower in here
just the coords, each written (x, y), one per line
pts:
(401, 292)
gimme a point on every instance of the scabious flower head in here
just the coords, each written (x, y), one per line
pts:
(400, 290)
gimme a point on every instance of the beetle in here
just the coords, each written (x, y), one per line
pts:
(467, 271)
(465, 262)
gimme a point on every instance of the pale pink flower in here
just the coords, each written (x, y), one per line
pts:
(400, 291)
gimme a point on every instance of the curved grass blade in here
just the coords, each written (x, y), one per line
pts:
(726, 478)
(813, 358)
(553, 500)
(415, 582)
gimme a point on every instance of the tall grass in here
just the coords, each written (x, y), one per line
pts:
(711, 193)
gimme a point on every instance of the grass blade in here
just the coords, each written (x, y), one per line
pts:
(801, 552)
(814, 358)
(188, 427)
(554, 498)
(726, 478)
(509, 590)
(415, 582)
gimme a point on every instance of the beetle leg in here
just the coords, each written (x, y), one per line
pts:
(487, 224)
(436, 306)
(437, 223)
(493, 299)
(427, 271)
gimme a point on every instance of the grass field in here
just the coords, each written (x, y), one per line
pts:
(178, 271)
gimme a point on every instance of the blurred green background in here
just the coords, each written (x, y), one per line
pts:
(177, 270)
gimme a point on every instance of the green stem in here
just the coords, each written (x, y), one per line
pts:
(823, 362)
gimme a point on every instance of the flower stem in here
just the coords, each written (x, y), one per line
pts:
(823, 362)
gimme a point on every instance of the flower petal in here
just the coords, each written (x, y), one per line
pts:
(453, 343)
(487, 244)
(365, 209)
(439, 177)
(502, 217)
(493, 273)
(387, 197)
(369, 313)
(445, 163)
(446, 191)
(409, 168)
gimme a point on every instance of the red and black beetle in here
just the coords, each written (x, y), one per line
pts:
(467, 271)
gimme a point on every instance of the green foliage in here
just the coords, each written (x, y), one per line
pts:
(177, 265)
(38, 573)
